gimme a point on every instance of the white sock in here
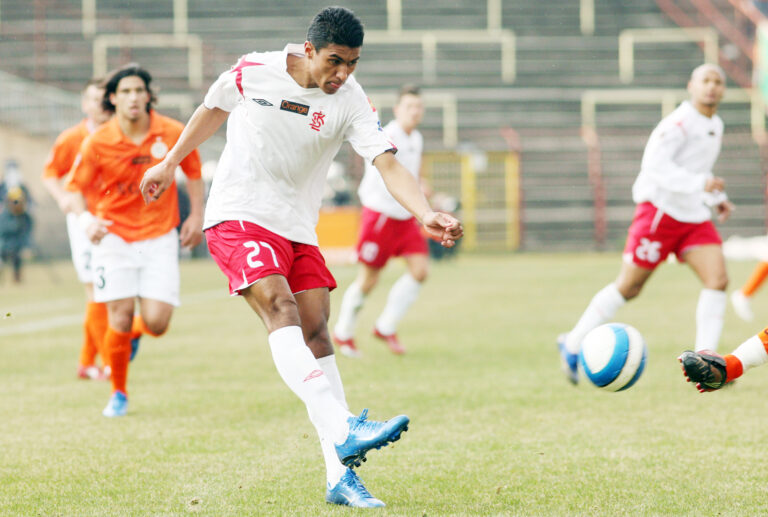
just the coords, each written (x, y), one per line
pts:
(709, 319)
(601, 308)
(751, 353)
(351, 303)
(402, 295)
(333, 467)
(301, 372)
(328, 364)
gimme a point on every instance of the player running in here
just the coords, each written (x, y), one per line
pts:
(136, 247)
(675, 193)
(59, 163)
(287, 114)
(388, 230)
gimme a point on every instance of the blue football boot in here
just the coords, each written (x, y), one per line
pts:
(117, 405)
(135, 346)
(349, 491)
(365, 435)
(569, 362)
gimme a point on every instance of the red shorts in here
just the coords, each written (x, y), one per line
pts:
(653, 235)
(246, 252)
(382, 237)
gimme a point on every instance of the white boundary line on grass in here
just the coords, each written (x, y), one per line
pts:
(67, 320)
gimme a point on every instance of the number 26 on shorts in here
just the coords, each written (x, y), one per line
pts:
(253, 257)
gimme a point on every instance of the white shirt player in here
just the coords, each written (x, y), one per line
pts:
(281, 140)
(677, 163)
(373, 192)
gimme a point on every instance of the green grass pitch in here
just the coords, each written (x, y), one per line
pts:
(496, 429)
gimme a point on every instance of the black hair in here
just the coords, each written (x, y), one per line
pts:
(335, 25)
(129, 70)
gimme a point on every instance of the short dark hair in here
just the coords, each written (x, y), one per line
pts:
(335, 25)
(129, 70)
(408, 89)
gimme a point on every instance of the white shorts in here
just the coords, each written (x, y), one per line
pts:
(147, 269)
(81, 248)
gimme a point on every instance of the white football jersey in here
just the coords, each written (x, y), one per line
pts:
(373, 192)
(281, 140)
(678, 161)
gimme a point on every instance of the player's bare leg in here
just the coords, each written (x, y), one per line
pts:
(351, 303)
(708, 263)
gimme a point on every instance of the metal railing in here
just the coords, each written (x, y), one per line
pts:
(180, 17)
(103, 42)
(430, 39)
(668, 99)
(629, 37)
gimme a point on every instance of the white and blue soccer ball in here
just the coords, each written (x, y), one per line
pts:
(613, 356)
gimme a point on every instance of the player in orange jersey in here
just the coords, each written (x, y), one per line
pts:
(136, 245)
(711, 371)
(58, 165)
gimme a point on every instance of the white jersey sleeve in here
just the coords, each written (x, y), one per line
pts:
(364, 131)
(227, 91)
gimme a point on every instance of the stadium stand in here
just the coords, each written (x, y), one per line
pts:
(574, 196)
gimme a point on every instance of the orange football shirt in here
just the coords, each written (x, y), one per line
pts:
(115, 164)
(63, 155)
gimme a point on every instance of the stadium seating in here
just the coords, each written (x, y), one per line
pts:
(554, 64)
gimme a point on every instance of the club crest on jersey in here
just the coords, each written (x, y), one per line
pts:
(318, 119)
(159, 149)
(294, 107)
(262, 102)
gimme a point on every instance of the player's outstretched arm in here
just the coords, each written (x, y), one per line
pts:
(404, 187)
(202, 125)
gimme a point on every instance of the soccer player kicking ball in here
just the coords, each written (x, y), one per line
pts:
(676, 194)
(387, 230)
(56, 168)
(136, 247)
(711, 371)
(288, 113)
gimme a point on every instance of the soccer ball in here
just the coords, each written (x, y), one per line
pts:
(613, 356)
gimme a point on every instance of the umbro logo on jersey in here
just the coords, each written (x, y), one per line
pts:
(262, 102)
(295, 107)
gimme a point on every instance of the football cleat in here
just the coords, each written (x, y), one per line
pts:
(569, 362)
(135, 342)
(365, 435)
(742, 306)
(349, 491)
(705, 368)
(391, 340)
(88, 372)
(117, 405)
(346, 346)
